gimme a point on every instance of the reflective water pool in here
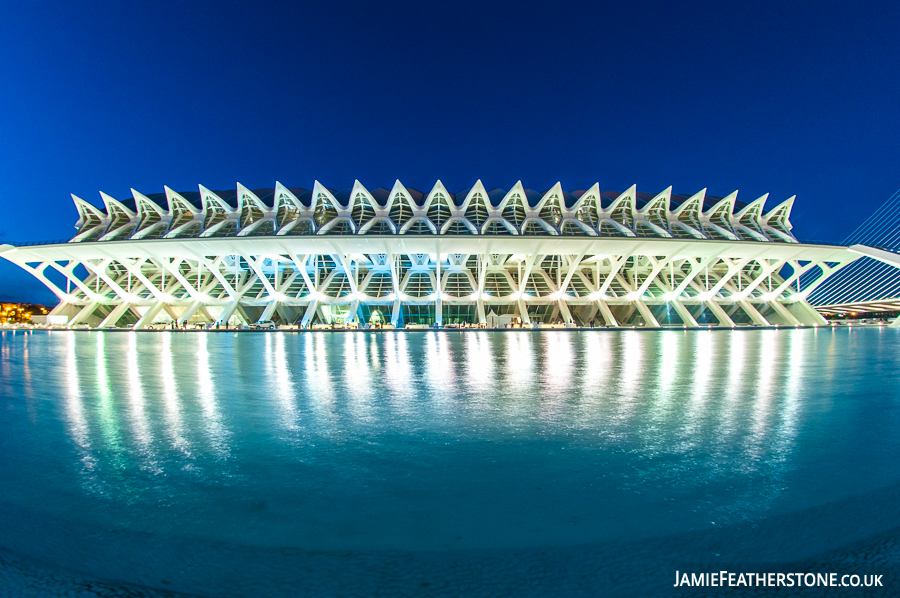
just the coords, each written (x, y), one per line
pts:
(532, 463)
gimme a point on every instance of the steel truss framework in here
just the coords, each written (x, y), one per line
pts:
(620, 281)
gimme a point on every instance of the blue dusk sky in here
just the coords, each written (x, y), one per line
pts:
(783, 98)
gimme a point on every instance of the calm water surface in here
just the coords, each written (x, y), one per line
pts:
(211, 463)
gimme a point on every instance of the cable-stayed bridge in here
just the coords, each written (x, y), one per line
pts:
(872, 283)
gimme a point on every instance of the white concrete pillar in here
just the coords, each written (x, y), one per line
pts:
(268, 311)
(189, 312)
(607, 314)
(684, 313)
(564, 311)
(227, 313)
(754, 314)
(114, 315)
(720, 314)
(648, 316)
(310, 312)
(84, 313)
(782, 311)
(148, 316)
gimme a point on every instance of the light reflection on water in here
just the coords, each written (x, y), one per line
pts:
(413, 440)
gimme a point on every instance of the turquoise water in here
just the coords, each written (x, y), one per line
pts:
(526, 463)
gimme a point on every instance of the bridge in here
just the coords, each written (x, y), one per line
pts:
(871, 284)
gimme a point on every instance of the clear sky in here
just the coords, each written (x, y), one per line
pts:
(783, 97)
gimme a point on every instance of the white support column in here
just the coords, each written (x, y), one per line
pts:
(720, 314)
(523, 312)
(765, 273)
(573, 268)
(134, 268)
(614, 268)
(213, 267)
(684, 313)
(798, 271)
(648, 316)
(227, 312)
(479, 302)
(39, 274)
(657, 268)
(754, 314)
(148, 316)
(61, 308)
(268, 311)
(781, 310)
(173, 269)
(71, 278)
(309, 314)
(189, 312)
(114, 315)
(607, 314)
(733, 268)
(100, 271)
(529, 266)
(804, 312)
(170, 309)
(352, 313)
(564, 310)
(395, 313)
(479, 311)
(205, 313)
(256, 266)
(84, 313)
(439, 291)
(696, 268)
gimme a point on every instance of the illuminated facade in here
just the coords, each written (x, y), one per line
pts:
(315, 256)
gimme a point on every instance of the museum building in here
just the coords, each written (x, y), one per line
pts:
(402, 257)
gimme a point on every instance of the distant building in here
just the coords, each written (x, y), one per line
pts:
(16, 313)
(401, 256)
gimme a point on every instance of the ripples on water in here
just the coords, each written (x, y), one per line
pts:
(437, 440)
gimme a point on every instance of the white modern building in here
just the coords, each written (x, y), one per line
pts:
(401, 256)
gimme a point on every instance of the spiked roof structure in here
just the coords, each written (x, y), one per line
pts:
(402, 211)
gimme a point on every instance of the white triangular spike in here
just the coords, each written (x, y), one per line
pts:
(439, 188)
(726, 203)
(113, 204)
(626, 196)
(664, 197)
(173, 197)
(777, 220)
(782, 211)
(694, 203)
(554, 190)
(478, 187)
(592, 194)
(400, 193)
(282, 193)
(87, 211)
(755, 206)
(517, 188)
(245, 194)
(144, 204)
(360, 189)
(82, 205)
(320, 190)
(207, 197)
